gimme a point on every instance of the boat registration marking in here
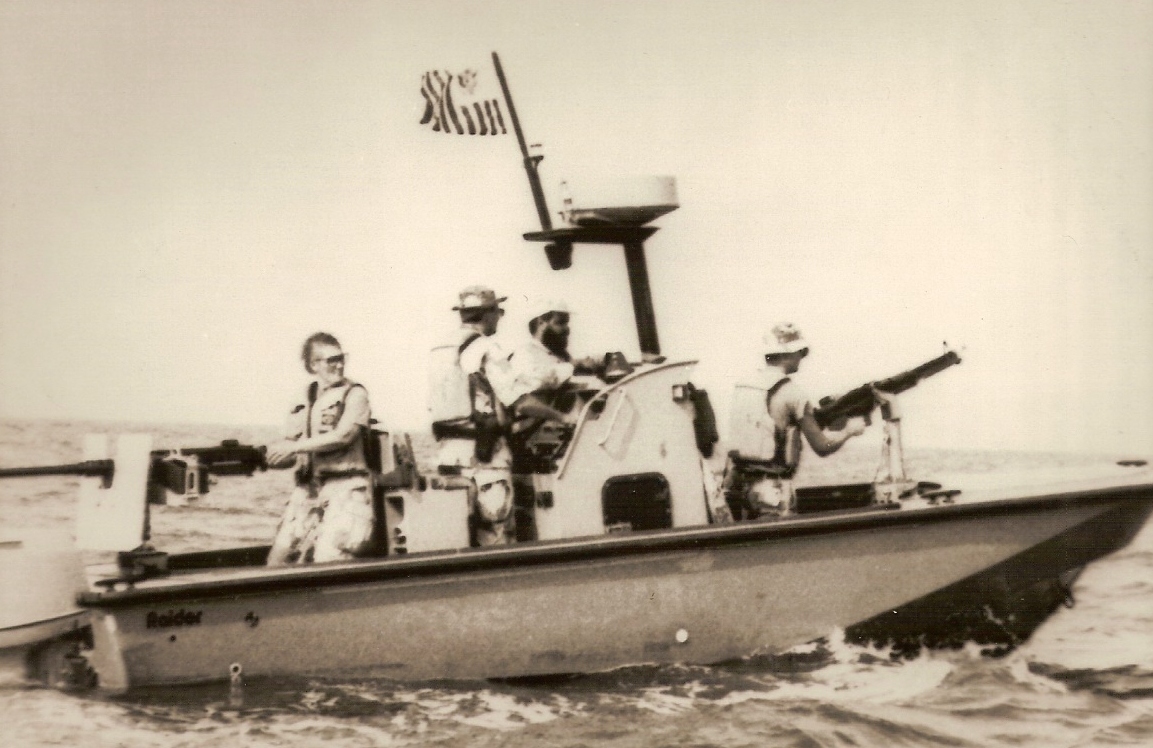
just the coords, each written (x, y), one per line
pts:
(168, 619)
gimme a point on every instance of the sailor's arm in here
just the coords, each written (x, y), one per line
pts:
(589, 365)
(526, 376)
(827, 442)
(294, 427)
(531, 406)
(347, 430)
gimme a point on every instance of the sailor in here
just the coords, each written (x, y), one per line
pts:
(329, 515)
(542, 366)
(469, 420)
(770, 412)
(538, 392)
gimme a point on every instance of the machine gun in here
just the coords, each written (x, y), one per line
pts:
(891, 483)
(185, 472)
(182, 472)
(168, 466)
(860, 401)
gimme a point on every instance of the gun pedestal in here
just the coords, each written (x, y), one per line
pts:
(891, 483)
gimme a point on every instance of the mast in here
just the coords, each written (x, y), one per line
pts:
(531, 163)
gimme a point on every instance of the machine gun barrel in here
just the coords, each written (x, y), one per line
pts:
(860, 401)
(98, 468)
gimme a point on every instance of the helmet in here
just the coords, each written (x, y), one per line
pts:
(784, 338)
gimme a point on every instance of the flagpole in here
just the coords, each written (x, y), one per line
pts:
(530, 162)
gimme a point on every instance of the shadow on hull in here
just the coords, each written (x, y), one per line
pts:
(1002, 606)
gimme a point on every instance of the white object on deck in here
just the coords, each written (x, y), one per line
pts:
(628, 201)
(115, 518)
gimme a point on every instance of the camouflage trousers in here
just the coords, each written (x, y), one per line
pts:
(332, 522)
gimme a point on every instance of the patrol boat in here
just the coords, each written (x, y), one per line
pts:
(626, 567)
(622, 562)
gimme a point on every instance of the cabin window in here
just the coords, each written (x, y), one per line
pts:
(637, 502)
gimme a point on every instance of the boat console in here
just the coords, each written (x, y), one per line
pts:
(629, 461)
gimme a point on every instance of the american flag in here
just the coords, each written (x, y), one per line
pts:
(454, 103)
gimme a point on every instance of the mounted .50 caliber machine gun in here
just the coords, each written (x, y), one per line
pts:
(891, 482)
(112, 513)
(183, 472)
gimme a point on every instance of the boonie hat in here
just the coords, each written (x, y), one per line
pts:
(541, 307)
(478, 297)
(784, 338)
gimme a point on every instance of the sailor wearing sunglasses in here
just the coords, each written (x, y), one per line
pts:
(329, 515)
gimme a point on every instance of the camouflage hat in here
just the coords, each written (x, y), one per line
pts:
(784, 338)
(478, 297)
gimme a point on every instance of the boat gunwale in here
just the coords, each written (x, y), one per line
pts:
(264, 580)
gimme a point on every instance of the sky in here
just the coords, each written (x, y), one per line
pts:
(189, 189)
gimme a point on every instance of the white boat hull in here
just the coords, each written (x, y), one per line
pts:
(687, 596)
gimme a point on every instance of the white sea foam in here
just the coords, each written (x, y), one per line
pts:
(842, 682)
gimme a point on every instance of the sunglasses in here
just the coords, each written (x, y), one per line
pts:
(776, 356)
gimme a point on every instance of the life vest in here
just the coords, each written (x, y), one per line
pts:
(450, 396)
(753, 433)
(321, 415)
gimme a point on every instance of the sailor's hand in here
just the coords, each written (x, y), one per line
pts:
(888, 403)
(855, 427)
(568, 420)
(587, 365)
(281, 454)
(585, 383)
(882, 398)
(838, 424)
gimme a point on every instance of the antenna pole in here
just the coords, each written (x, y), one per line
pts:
(530, 162)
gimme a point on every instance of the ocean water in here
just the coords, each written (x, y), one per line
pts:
(1084, 679)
